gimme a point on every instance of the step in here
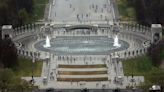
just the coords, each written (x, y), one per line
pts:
(83, 79)
(82, 66)
(82, 69)
(81, 72)
(82, 76)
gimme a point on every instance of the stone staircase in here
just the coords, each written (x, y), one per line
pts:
(76, 73)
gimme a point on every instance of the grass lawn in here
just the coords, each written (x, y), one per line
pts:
(39, 8)
(126, 12)
(142, 66)
(137, 66)
(25, 67)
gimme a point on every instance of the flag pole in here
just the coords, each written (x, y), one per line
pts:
(33, 61)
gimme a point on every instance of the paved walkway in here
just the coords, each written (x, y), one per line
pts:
(114, 69)
(81, 10)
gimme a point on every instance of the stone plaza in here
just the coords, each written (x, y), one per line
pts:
(76, 44)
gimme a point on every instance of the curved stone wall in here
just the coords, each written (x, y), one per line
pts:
(128, 32)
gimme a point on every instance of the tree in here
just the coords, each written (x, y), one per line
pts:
(23, 15)
(10, 82)
(8, 54)
(9, 11)
(155, 52)
(6, 78)
(148, 11)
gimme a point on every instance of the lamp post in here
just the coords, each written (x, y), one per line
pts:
(33, 61)
(32, 76)
(133, 81)
(115, 60)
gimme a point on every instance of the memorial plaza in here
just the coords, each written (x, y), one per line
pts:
(82, 44)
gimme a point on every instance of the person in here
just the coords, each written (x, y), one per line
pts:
(32, 80)
(93, 6)
(70, 5)
(86, 15)
(97, 84)
(52, 77)
(51, 73)
(101, 16)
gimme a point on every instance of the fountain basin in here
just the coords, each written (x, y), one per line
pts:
(81, 45)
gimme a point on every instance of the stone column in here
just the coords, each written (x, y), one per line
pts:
(25, 28)
(32, 27)
(15, 31)
(29, 29)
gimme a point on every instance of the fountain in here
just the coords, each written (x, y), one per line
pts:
(116, 42)
(80, 45)
(85, 41)
(47, 45)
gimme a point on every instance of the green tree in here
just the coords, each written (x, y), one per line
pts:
(8, 54)
(9, 11)
(6, 78)
(10, 82)
(148, 11)
(156, 52)
(24, 16)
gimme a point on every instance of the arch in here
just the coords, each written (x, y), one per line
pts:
(140, 51)
(133, 53)
(156, 37)
(129, 53)
(137, 52)
(27, 53)
(19, 51)
(144, 50)
(124, 54)
(31, 53)
(23, 52)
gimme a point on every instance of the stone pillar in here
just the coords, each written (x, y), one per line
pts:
(29, 27)
(137, 28)
(123, 26)
(7, 31)
(33, 27)
(144, 27)
(15, 31)
(156, 32)
(18, 32)
(21, 29)
(25, 28)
